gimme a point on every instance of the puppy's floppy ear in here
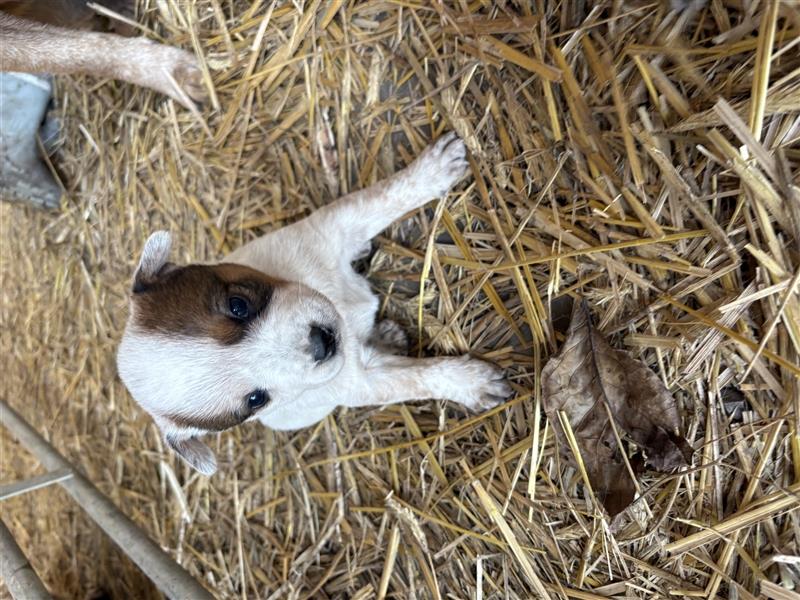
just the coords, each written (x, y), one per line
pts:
(153, 260)
(193, 451)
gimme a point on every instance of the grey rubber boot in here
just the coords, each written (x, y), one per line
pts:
(23, 176)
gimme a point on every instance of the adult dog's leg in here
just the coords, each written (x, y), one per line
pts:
(33, 47)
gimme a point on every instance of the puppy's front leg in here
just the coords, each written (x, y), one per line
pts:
(358, 217)
(390, 379)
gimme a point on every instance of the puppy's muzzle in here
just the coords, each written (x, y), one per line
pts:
(323, 343)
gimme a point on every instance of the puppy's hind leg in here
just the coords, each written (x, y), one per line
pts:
(388, 336)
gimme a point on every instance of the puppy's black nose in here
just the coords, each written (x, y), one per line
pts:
(323, 343)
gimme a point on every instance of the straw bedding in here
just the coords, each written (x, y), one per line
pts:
(604, 166)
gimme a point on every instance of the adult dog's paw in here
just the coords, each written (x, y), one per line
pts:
(169, 70)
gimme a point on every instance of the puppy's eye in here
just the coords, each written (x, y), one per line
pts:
(257, 399)
(238, 307)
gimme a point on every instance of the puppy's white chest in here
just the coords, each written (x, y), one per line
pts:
(358, 304)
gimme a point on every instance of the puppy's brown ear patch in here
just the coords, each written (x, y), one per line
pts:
(153, 260)
(194, 300)
(194, 452)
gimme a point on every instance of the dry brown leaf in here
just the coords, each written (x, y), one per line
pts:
(592, 383)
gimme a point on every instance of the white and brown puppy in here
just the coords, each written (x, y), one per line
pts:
(284, 330)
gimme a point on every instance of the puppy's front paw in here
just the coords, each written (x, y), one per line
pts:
(442, 164)
(481, 385)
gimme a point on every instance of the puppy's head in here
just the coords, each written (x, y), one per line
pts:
(208, 347)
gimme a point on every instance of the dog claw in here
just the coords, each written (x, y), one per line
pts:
(190, 78)
(443, 163)
(482, 384)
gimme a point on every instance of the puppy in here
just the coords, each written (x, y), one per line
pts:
(284, 330)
